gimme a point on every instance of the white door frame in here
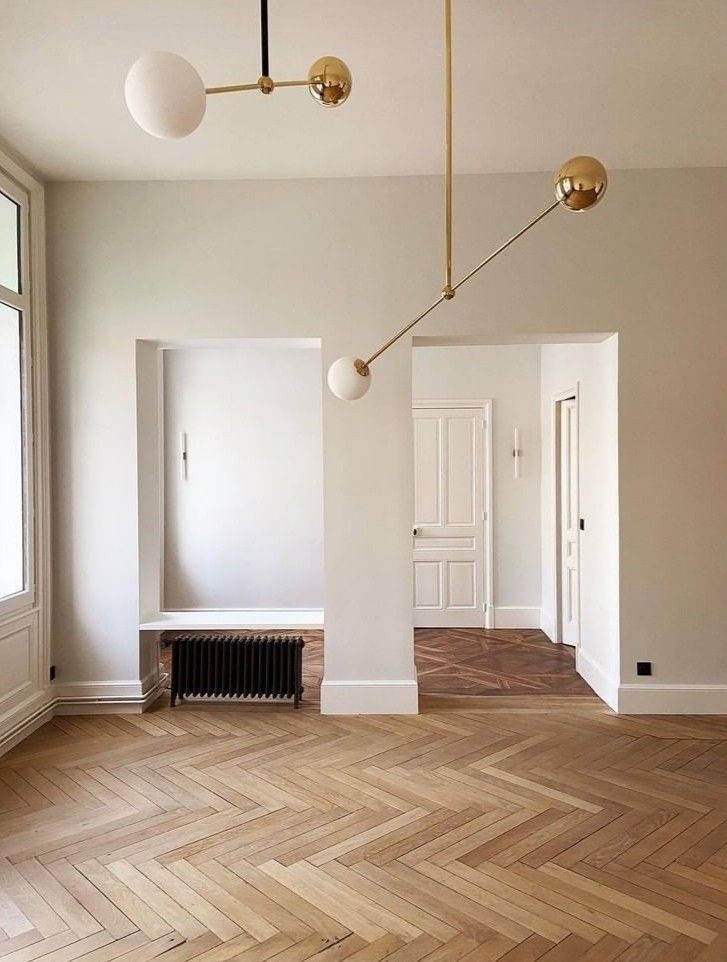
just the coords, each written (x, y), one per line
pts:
(485, 405)
(573, 392)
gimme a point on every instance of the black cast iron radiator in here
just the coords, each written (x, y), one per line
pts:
(237, 666)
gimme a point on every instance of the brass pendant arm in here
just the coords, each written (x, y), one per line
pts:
(231, 88)
(265, 84)
(403, 331)
(443, 296)
(293, 83)
(507, 243)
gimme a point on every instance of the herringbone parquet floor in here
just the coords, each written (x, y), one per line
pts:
(516, 828)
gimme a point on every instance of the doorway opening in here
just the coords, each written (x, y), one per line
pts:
(567, 520)
(509, 506)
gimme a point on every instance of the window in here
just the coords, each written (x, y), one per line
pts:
(15, 507)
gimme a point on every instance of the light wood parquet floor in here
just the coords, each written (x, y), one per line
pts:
(514, 829)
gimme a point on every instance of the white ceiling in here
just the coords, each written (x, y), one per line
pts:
(640, 83)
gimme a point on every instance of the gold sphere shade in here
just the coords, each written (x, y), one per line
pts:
(580, 183)
(330, 81)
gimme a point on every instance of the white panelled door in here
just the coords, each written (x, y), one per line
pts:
(569, 560)
(449, 517)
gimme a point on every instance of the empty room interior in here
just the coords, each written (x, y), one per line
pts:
(363, 529)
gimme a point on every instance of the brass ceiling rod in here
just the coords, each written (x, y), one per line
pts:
(329, 79)
(265, 52)
(579, 185)
(448, 290)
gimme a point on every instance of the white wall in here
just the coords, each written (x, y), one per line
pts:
(245, 529)
(510, 376)
(591, 371)
(349, 261)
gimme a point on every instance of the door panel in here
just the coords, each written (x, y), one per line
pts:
(460, 474)
(448, 544)
(462, 584)
(569, 511)
(427, 450)
(428, 584)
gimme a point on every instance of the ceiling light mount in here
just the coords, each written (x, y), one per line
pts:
(167, 97)
(579, 185)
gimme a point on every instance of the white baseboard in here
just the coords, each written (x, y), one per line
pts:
(604, 686)
(369, 697)
(672, 699)
(507, 616)
(107, 697)
(268, 619)
(37, 715)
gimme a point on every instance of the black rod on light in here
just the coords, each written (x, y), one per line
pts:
(265, 72)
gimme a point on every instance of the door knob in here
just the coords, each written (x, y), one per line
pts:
(416, 531)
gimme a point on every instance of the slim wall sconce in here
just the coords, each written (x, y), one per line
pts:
(183, 455)
(517, 452)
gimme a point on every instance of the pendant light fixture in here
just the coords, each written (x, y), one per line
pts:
(579, 184)
(167, 97)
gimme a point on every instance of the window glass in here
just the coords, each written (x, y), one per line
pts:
(9, 239)
(12, 509)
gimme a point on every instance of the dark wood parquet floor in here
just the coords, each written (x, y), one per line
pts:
(469, 661)
(472, 661)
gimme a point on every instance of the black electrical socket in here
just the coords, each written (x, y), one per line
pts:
(643, 667)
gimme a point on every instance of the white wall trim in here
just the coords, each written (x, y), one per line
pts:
(451, 402)
(547, 624)
(107, 697)
(600, 681)
(238, 618)
(78, 698)
(36, 711)
(370, 697)
(672, 699)
(510, 616)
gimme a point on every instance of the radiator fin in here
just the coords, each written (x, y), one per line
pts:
(237, 666)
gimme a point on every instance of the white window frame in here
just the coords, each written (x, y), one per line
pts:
(25, 617)
(25, 599)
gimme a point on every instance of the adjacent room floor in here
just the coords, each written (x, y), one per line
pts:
(469, 661)
(473, 661)
(531, 828)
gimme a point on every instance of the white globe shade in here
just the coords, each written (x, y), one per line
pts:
(165, 95)
(344, 380)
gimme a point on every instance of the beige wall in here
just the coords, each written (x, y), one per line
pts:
(244, 529)
(349, 260)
